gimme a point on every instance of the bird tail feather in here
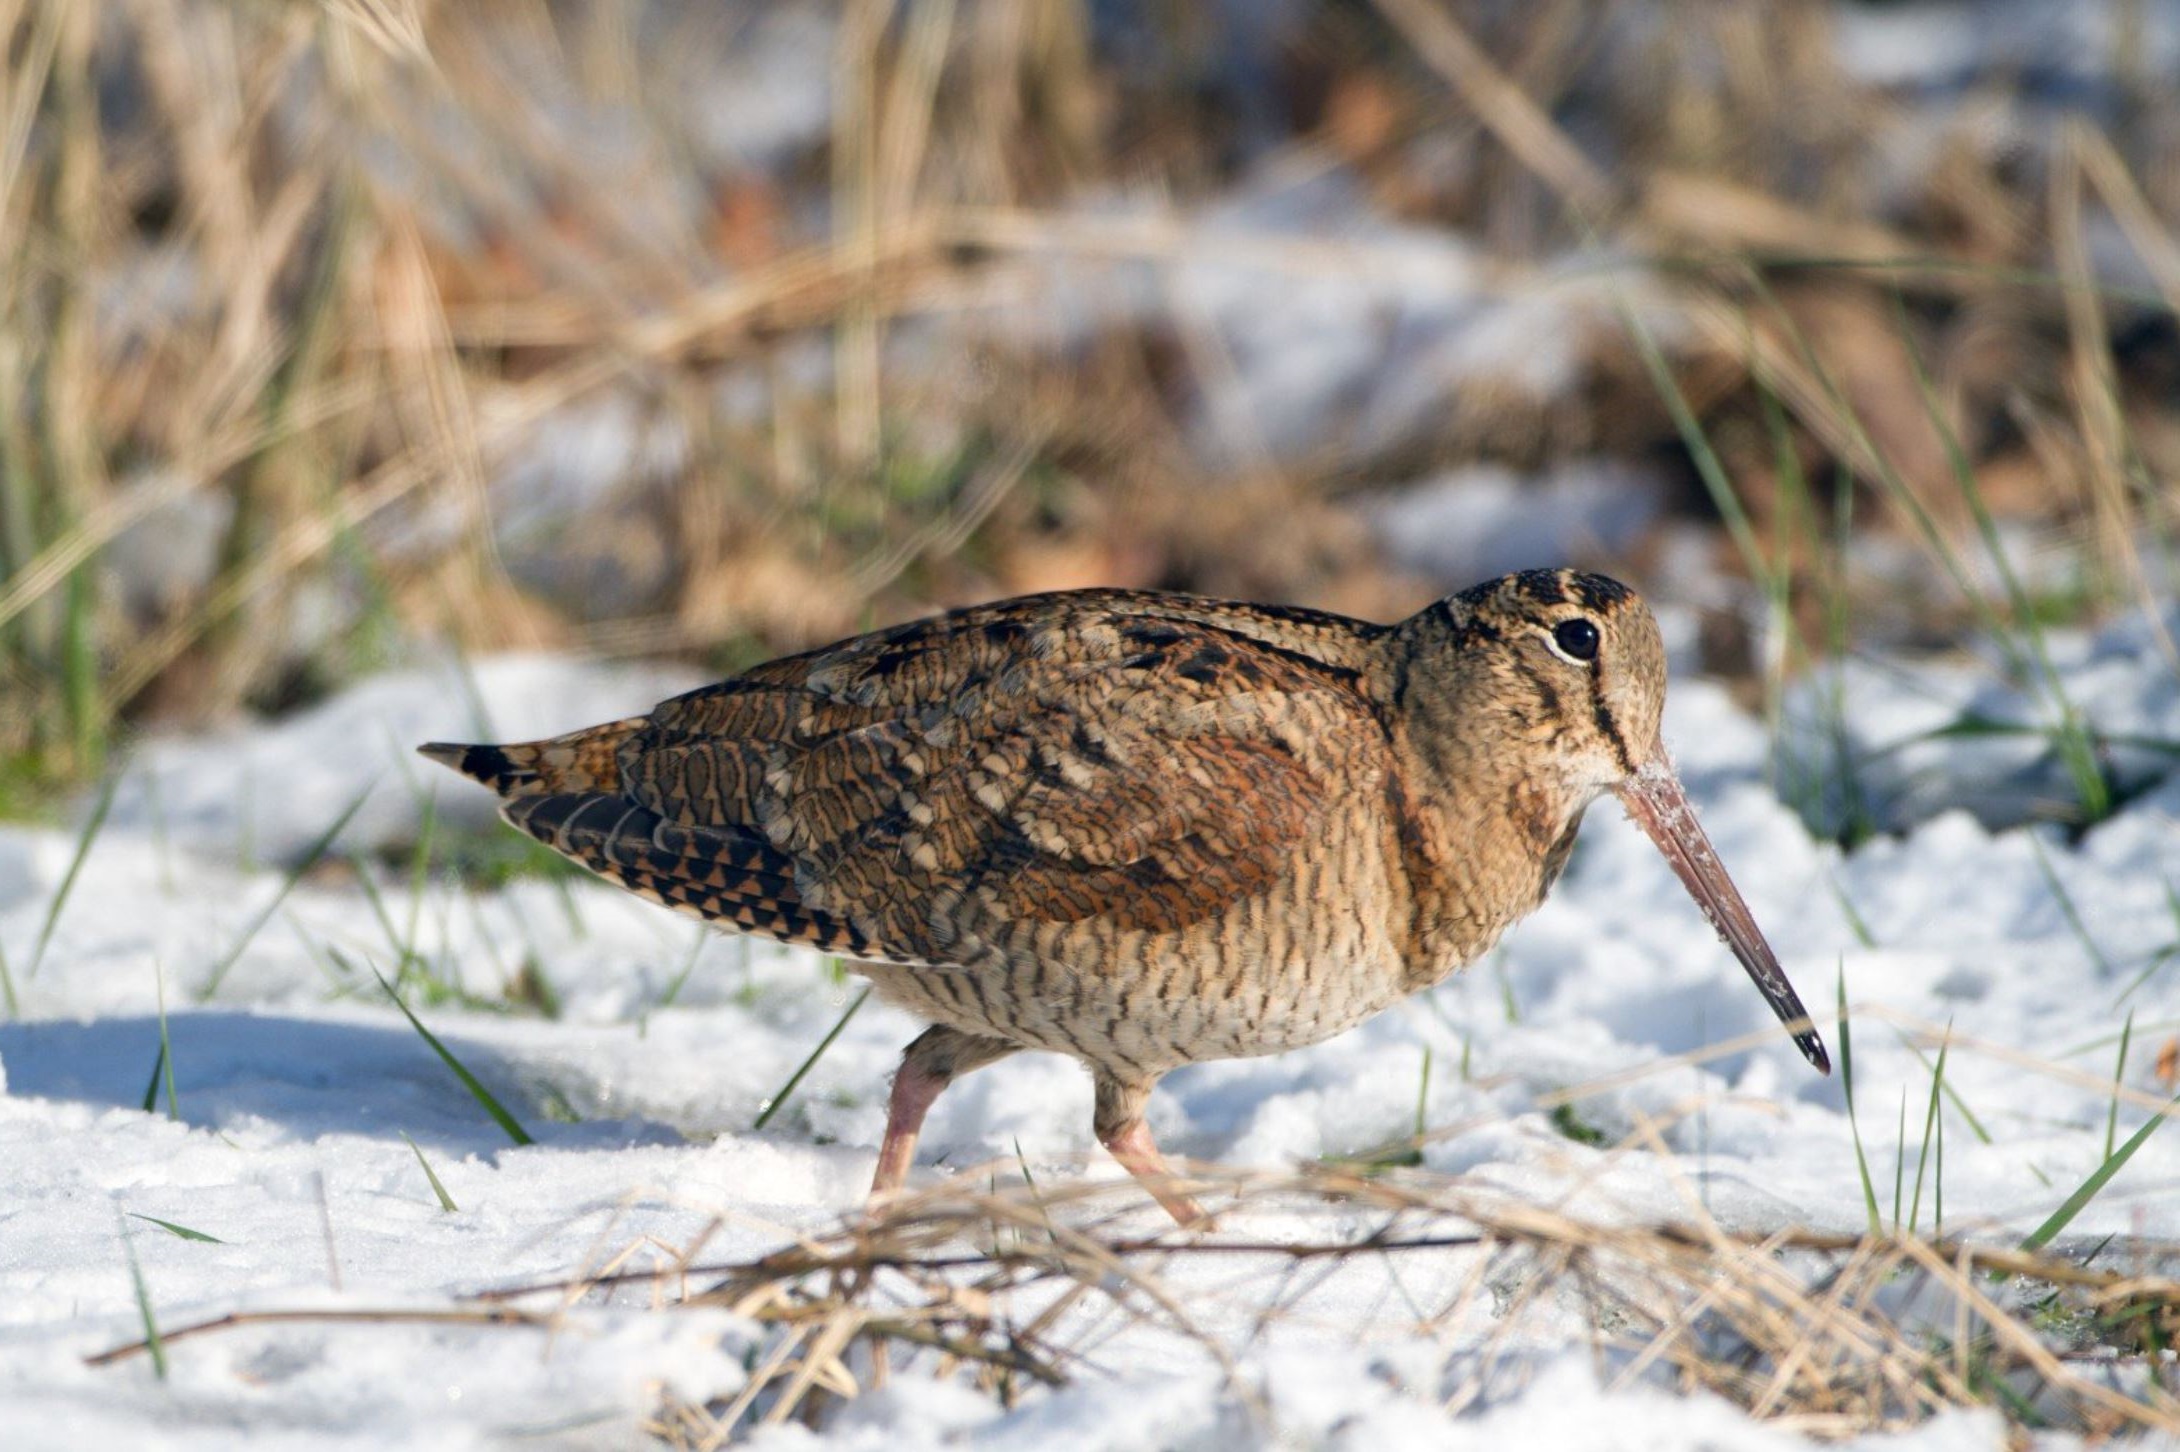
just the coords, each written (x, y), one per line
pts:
(581, 761)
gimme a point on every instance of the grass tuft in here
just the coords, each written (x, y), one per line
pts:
(2066, 729)
(1931, 1121)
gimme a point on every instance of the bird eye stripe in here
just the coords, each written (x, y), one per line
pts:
(1611, 729)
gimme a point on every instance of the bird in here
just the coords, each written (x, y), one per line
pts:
(1138, 828)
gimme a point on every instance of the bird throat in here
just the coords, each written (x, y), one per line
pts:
(1480, 855)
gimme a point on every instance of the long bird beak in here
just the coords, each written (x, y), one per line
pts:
(1654, 798)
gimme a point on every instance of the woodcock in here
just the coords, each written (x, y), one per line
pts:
(1137, 828)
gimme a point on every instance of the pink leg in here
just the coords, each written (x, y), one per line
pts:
(1121, 1129)
(1138, 1154)
(937, 1057)
(914, 1091)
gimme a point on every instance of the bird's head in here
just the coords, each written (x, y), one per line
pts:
(1573, 667)
(1564, 673)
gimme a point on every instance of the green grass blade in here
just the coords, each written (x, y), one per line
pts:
(155, 808)
(162, 1067)
(152, 1343)
(80, 667)
(696, 951)
(7, 987)
(2067, 908)
(2157, 960)
(419, 878)
(1937, 1214)
(181, 1231)
(2167, 954)
(772, 1105)
(1847, 910)
(492, 1106)
(158, 1067)
(1847, 1084)
(1573, 1126)
(1930, 1121)
(2068, 734)
(1873, 461)
(446, 1201)
(2119, 1079)
(1858, 819)
(2098, 1179)
(1507, 1001)
(1423, 1094)
(558, 1107)
(310, 859)
(1709, 467)
(1975, 726)
(536, 986)
(91, 827)
(1036, 1198)
(1952, 1095)
(674, 986)
(377, 901)
(1899, 1160)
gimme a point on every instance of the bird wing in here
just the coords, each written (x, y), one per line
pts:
(970, 782)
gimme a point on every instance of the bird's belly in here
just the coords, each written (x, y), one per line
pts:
(1282, 1007)
(1268, 1010)
(1280, 971)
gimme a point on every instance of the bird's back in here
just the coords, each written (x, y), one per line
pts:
(1031, 805)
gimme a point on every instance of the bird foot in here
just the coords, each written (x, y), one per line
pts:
(1139, 1155)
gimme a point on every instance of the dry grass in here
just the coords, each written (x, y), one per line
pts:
(1017, 1287)
(1827, 1335)
(295, 286)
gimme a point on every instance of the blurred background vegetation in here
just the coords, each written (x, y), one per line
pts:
(332, 331)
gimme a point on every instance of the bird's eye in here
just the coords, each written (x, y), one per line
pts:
(1576, 639)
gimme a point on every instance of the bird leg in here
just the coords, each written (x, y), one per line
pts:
(914, 1091)
(1122, 1129)
(933, 1060)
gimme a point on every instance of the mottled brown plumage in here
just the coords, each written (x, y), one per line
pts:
(1140, 829)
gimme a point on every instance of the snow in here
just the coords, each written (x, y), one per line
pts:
(266, 792)
(1480, 520)
(1950, 43)
(1317, 325)
(299, 1091)
(2119, 680)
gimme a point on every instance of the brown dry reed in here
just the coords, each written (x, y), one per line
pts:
(1018, 1285)
(1024, 1287)
(318, 271)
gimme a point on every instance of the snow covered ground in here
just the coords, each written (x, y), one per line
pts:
(298, 1091)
